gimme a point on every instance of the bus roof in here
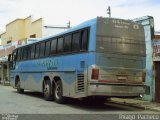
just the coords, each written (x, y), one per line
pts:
(80, 26)
(88, 23)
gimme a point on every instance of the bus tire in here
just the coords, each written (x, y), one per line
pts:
(58, 92)
(47, 90)
(19, 89)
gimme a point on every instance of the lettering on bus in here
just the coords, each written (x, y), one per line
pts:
(48, 63)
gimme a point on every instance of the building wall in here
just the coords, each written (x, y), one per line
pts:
(148, 23)
(3, 38)
(28, 22)
(34, 27)
(37, 28)
(16, 30)
(21, 29)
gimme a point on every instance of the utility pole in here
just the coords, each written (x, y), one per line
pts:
(69, 24)
(109, 11)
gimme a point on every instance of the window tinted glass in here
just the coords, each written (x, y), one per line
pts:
(21, 57)
(75, 41)
(42, 48)
(29, 52)
(67, 43)
(84, 42)
(25, 53)
(37, 50)
(32, 51)
(14, 55)
(47, 50)
(19, 54)
(53, 46)
(60, 45)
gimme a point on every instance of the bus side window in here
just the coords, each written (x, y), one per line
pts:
(47, 48)
(21, 55)
(60, 45)
(53, 46)
(76, 41)
(25, 53)
(67, 43)
(42, 48)
(17, 54)
(29, 52)
(37, 50)
(12, 57)
(84, 40)
(32, 51)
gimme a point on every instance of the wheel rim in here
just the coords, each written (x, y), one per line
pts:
(58, 92)
(46, 90)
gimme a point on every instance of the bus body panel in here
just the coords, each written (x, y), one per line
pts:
(115, 50)
(119, 59)
(119, 75)
(68, 68)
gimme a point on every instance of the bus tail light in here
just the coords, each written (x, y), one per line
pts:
(95, 74)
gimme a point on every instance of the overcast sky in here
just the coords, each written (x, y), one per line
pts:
(59, 12)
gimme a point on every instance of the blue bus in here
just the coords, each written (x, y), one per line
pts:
(100, 58)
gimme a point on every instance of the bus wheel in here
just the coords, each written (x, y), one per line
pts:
(47, 90)
(19, 89)
(58, 92)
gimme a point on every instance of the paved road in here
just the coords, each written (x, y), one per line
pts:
(33, 103)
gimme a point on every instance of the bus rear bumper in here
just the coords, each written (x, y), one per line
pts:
(116, 90)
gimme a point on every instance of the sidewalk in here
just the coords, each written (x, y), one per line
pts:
(147, 105)
(5, 83)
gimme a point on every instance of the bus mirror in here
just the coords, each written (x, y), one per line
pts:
(9, 57)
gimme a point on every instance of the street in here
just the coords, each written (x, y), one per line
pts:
(33, 103)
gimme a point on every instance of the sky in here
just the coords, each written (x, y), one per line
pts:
(59, 12)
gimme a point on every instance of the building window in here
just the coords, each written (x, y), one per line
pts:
(9, 41)
(33, 36)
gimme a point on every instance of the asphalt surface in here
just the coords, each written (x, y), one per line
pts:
(32, 104)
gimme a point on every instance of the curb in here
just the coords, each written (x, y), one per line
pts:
(134, 105)
(127, 104)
